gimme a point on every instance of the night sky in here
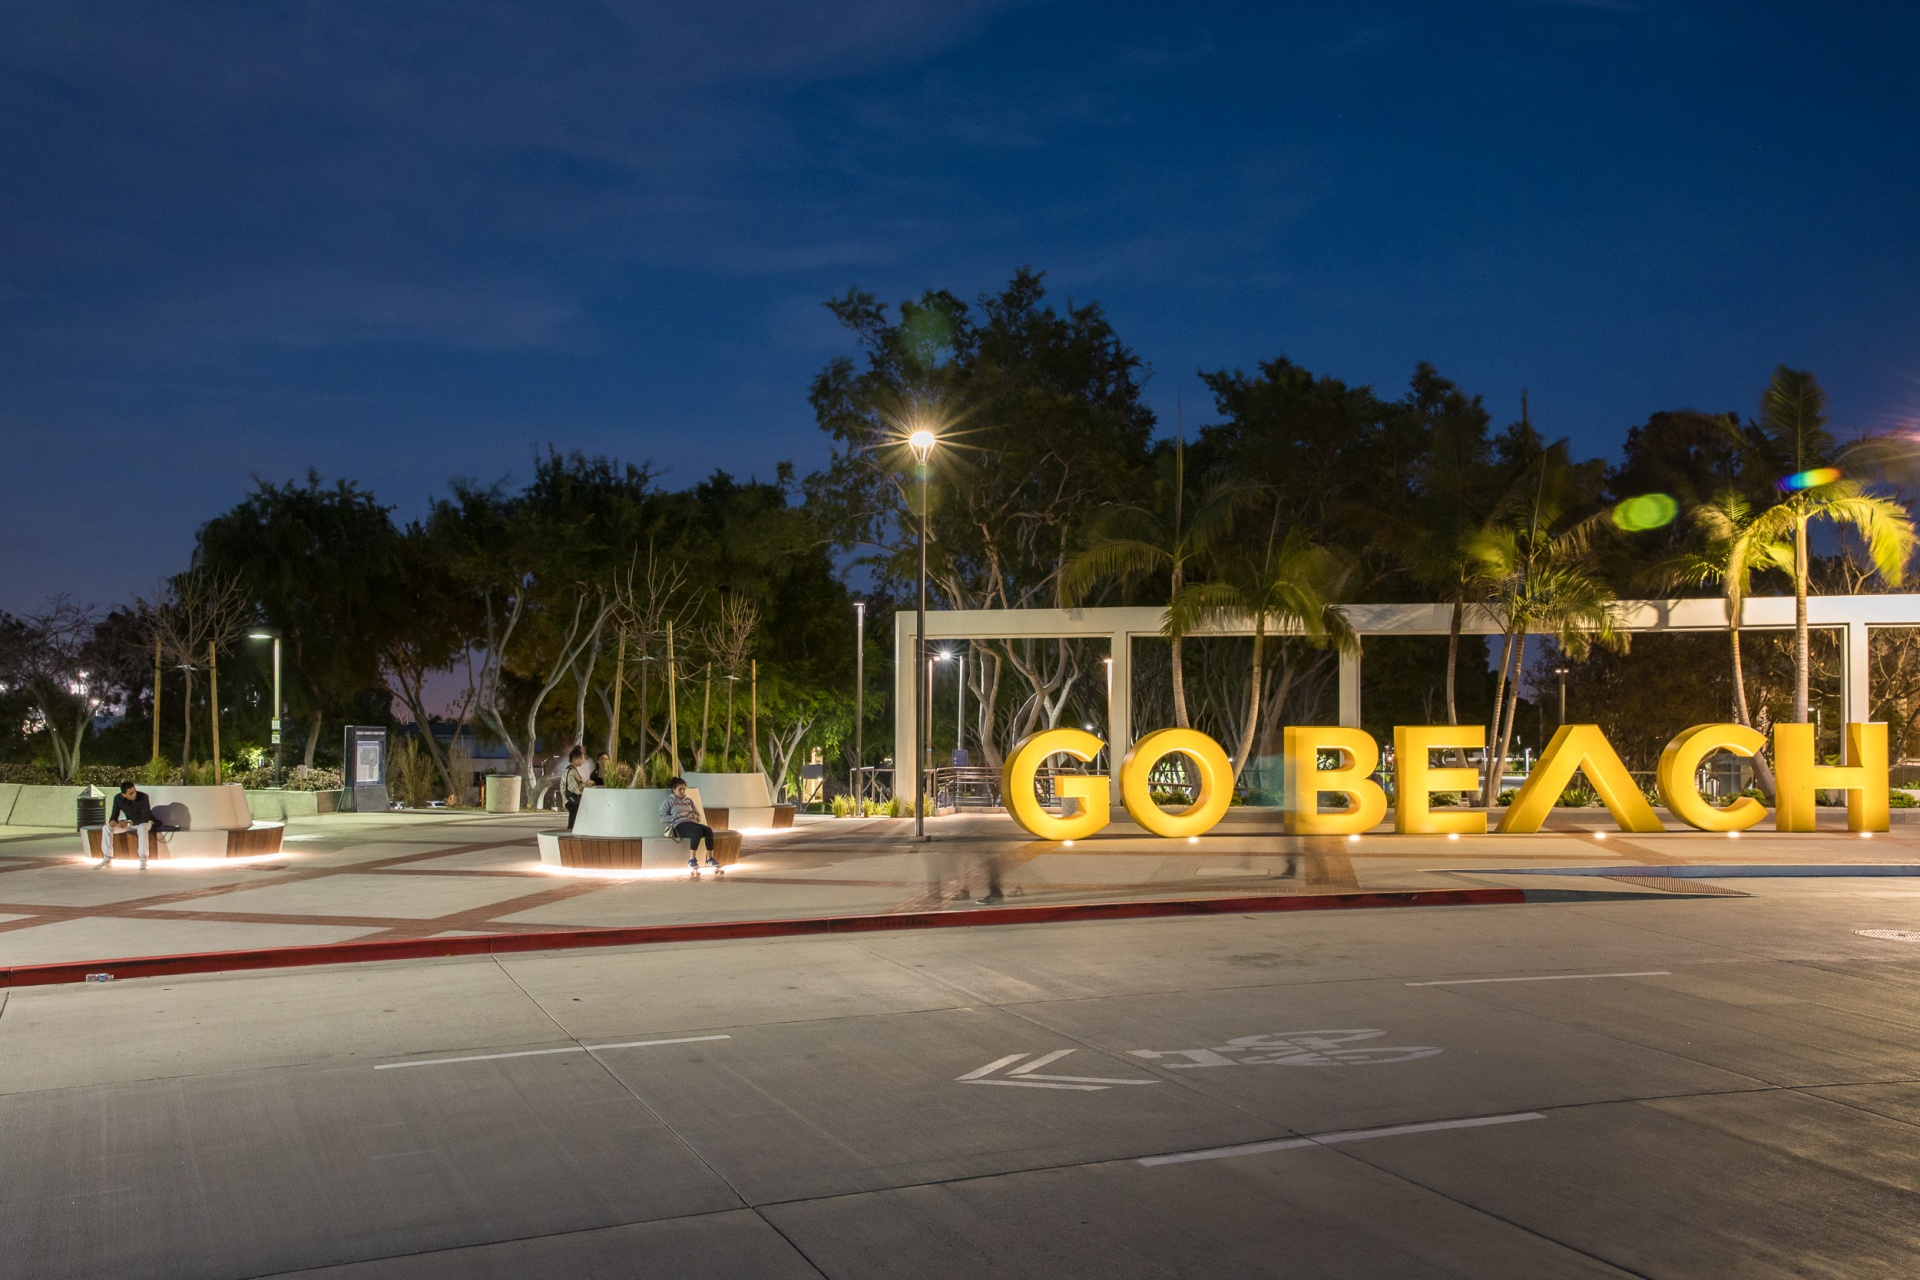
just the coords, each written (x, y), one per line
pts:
(402, 242)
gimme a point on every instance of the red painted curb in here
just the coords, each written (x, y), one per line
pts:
(41, 975)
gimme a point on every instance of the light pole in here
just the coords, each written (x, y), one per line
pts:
(273, 634)
(859, 702)
(1562, 673)
(959, 704)
(922, 442)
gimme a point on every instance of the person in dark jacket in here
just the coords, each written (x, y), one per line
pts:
(132, 811)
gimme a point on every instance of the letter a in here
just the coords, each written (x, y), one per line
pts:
(1579, 748)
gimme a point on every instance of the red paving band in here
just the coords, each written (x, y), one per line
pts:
(40, 975)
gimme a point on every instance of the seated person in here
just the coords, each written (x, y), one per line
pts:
(132, 811)
(680, 815)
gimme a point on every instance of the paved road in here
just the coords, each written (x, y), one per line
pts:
(1741, 1096)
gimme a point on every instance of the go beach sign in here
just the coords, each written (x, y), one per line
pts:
(1576, 748)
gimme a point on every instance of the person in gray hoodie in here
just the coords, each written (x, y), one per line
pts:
(680, 817)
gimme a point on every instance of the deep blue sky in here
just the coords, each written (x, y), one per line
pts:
(401, 242)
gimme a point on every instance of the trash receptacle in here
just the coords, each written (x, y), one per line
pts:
(91, 809)
(503, 793)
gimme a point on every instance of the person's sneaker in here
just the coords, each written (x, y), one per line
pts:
(993, 896)
(693, 864)
(715, 867)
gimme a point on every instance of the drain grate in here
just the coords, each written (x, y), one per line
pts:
(1891, 935)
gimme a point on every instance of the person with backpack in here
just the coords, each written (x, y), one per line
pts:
(575, 781)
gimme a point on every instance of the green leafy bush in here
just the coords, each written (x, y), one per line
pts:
(1901, 800)
(844, 806)
(1506, 797)
(1578, 796)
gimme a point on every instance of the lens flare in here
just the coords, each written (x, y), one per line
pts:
(1810, 479)
(1648, 511)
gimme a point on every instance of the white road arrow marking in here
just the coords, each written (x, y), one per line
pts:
(1030, 1077)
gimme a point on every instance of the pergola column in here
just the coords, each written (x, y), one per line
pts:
(1856, 703)
(905, 741)
(1350, 688)
(1119, 707)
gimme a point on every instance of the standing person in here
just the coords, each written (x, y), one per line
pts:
(132, 811)
(601, 763)
(575, 781)
(680, 815)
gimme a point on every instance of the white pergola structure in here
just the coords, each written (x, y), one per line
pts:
(1855, 615)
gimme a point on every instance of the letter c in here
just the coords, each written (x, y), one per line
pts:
(1682, 758)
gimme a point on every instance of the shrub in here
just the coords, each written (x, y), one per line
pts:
(1447, 798)
(1901, 800)
(411, 777)
(844, 806)
(1577, 796)
(876, 808)
(1506, 797)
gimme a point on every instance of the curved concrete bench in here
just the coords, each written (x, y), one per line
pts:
(743, 797)
(208, 822)
(620, 830)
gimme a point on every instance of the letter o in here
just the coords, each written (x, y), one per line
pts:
(1023, 764)
(1216, 782)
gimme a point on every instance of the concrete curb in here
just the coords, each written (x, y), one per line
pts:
(41, 975)
(1712, 871)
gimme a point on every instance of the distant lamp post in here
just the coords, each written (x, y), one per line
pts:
(1562, 673)
(921, 442)
(273, 634)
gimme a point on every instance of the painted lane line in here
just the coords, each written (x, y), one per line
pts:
(1331, 1139)
(1039, 1062)
(540, 1053)
(1545, 977)
(1035, 1084)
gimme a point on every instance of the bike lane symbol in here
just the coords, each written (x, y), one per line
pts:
(1292, 1049)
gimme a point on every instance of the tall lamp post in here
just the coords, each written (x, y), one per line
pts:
(1562, 673)
(922, 442)
(273, 634)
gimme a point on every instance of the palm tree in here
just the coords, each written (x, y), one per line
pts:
(1793, 426)
(1733, 545)
(1134, 542)
(1279, 582)
(1537, 580)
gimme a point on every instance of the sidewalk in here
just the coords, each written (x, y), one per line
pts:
(389, 877)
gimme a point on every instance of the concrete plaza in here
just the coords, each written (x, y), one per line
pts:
(1646, 1074)
(384, 877)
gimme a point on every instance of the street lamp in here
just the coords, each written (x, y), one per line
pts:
(1562, 673)
(921, 442)
(273, 634)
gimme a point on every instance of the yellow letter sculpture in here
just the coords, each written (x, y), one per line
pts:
(1415, 779)
(1305, 780)
(1579, 748)
(1797, 777)
(1681, 760)
(1016, 785)
(1216, 782)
